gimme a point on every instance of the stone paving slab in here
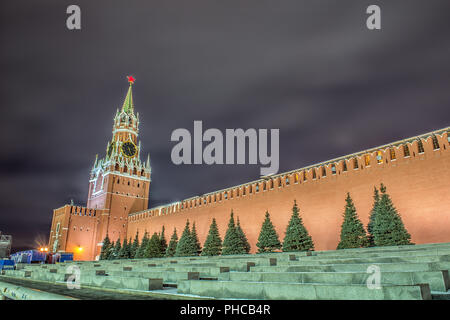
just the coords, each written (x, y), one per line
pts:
(299, 291)
(357, 267)
(438, 280)
(392, 259)
(168, 277)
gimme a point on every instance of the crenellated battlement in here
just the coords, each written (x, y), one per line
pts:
(81, 211)
(396, 153)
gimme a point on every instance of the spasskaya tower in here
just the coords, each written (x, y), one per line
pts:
(119, 184)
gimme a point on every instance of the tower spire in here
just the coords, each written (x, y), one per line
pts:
(128, 106)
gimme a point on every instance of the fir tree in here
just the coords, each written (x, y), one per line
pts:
(376, 199)
(186, 245)
(115, 251)
(135, 246)
(124, 252)
(194, 239)
(106, 248)
(232, 243)
(213, 243)
(297, 237)
(172, 247)
(153, 249)
(163, 242)
(129, 243)
(268, 238)
(353, 234)
(140, 253)
(388, 228)
(243, 237)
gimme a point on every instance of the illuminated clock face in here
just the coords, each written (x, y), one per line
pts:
(129, 149)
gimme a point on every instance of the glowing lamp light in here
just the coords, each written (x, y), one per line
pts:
(42, 249)
(46, 249)
(80, 249)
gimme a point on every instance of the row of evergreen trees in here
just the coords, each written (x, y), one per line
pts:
(385, 228)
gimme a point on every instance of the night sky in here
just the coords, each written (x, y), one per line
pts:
(309, 68)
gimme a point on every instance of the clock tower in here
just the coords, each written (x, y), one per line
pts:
(119, 184)
(120, 181)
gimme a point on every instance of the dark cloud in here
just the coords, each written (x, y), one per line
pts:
(309, 68)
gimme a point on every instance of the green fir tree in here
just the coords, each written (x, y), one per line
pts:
(172, 247)
(213, 243)
(140, 253)
(376, 199)
(242, 236)
(388, 228)
(353, 234)
(268, 240)
(124, 252)
(135, 246)
(186, 246)
(297, 237)
(232, 243)
(194, 239)
(129, 244)
(153, 249)
(115, 251)
(106, 248)
(163, 242)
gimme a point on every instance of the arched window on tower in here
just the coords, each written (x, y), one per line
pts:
(435, 142)
(116, 168)
(324, 171)
(406, 150)
(333, 169)
(379, 157)
(367, 160)
(344, 166)
(392, 153)
(420, 148)
(314, 173)
(355, 163)
(125, 169)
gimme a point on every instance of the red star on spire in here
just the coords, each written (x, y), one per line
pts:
(131, 79)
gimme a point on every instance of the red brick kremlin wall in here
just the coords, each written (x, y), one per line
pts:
(419, 185)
